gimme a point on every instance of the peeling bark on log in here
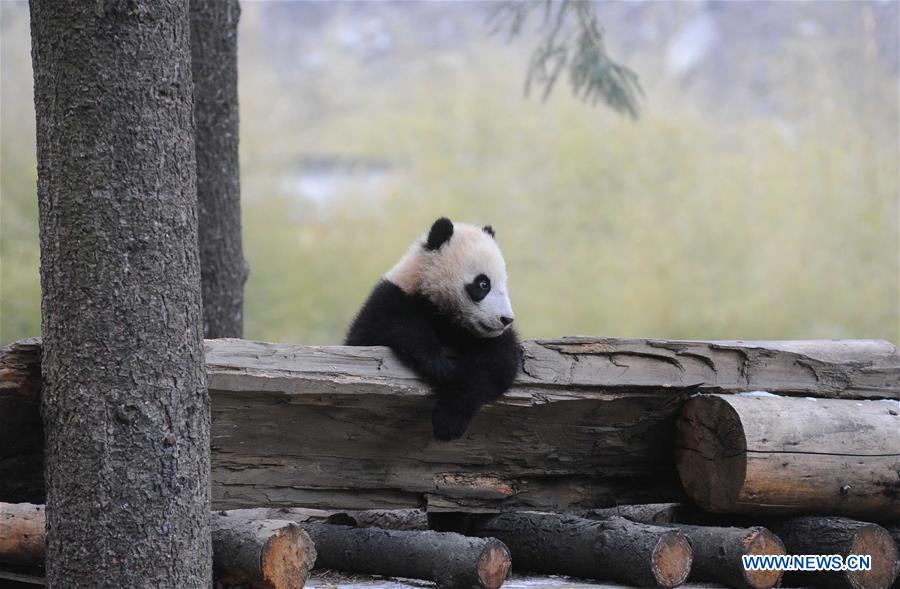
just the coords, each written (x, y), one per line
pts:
(264, 554)
(259, 553)
(616, 549)
(450, 560)
(837, 535)
(589, 422)
(749, 454)
(22, 538)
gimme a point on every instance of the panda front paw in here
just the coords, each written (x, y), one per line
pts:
(449, 422)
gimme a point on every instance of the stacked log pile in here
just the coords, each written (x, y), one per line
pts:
(766, 448)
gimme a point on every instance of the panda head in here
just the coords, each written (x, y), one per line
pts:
(459, 268)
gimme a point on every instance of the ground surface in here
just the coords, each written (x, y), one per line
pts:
(329, 580)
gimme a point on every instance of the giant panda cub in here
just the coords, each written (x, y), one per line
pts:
(444, 310)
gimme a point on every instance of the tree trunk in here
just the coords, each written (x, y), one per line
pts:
(614, 549)
(125, 405)
(837, 535)
(450, 560)
(223, 269)
(767, 454)
(265, 554)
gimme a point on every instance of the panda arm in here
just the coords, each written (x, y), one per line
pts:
(392, 318)
(483, 374)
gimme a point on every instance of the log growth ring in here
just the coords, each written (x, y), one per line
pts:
(672, 558)
(711, 452)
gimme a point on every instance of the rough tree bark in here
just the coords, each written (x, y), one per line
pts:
(125, 404)
(223, 270)
(450, 560)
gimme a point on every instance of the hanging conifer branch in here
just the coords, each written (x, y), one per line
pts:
(573, 40)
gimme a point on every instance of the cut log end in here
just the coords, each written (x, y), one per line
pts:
(281, 563)
(671, 561)
(711, 452)
(494, 565)
(876, 542)
(760, 541)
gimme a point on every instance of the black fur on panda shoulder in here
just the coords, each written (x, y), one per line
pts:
(477, 370)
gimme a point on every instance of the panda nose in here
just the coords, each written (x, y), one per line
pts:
(505, 320)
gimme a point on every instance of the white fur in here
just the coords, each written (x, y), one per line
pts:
(443, 274)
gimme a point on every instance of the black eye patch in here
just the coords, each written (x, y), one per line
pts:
(479, 288)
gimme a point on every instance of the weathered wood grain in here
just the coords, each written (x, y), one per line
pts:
(833, 368)
(766, 454)
(589, 423)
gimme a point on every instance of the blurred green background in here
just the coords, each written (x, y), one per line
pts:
(756, 197)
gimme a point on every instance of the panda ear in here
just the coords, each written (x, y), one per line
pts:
(489, 230)
(440, 233)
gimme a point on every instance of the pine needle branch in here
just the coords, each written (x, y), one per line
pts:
(572, 40)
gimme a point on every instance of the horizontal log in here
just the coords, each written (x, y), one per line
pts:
(841, 536)
(451, 560)
(719, 552)
(894, 531)
(766, 454)
(589, 422)
(259, 553)
(388, 519)
(22, 538)
(647, 513)
(615, 549)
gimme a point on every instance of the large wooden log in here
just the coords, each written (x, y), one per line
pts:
(450, 560)
(21, 426)
(259, 553)
(263, 554)
(616, 549)
(766, 454)
(718, 550)
(837, 535)
(22, 538)
(589, 422)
